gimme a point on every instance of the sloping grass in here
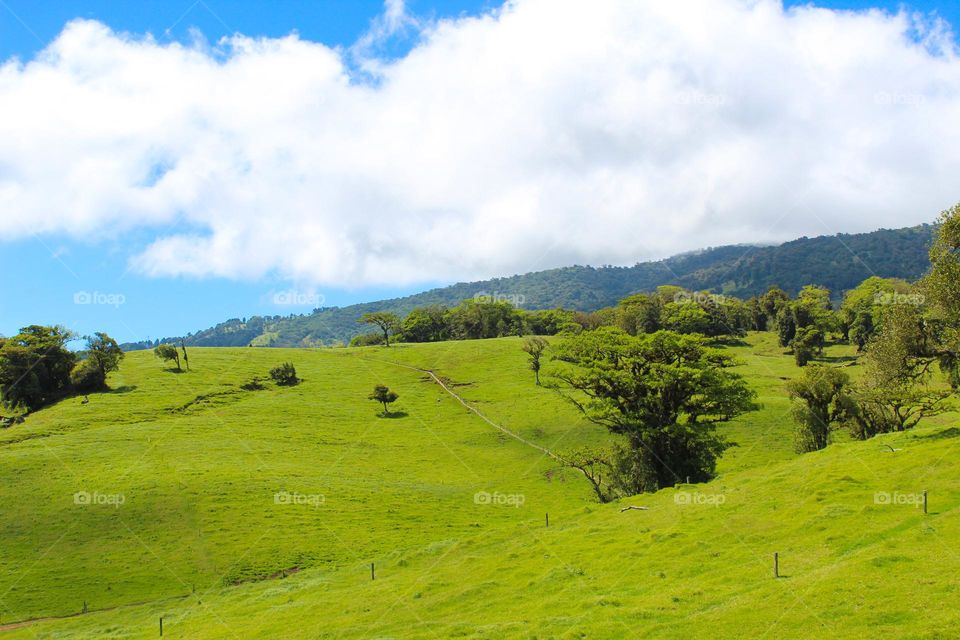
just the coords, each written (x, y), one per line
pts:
(200, 538)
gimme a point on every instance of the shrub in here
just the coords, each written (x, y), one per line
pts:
(284, 374)
(367, 340)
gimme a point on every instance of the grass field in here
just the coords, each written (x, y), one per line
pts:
(185, 471)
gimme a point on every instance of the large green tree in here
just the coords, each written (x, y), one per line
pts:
(35, 366)
(387, 322)
(896, 389)
(941, 291)
(820, 404)
(862, 310)
(664, 392)
(425, 324)
(475, 319)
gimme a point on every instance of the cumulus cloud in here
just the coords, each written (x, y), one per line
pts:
(544, 133)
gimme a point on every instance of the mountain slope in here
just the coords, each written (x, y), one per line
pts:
(837, 262)
(201, 539)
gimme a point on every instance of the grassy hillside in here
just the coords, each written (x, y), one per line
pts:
(838, 262)
(200, 539)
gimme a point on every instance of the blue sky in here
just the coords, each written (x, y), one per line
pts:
(49, 277)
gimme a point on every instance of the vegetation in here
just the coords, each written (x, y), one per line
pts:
(383, 395)
(821, 404)
(284, 374)
(534, 347)
(836, 262)
(168, 353)
(664, 392)
(104, 355)
(903, 339)
(35, 367)
(168, 486)
(202, 495)
(388, 323)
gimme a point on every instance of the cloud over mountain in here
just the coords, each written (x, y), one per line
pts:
(544, 133)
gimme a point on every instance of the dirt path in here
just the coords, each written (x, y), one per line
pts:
(471, 408)
(10, 626)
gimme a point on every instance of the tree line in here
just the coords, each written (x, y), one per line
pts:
(37, 368)
(649, 370)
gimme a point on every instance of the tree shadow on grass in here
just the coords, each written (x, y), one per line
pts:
(951, 432)
(127, 388)
(837, 359)
(729, 341)
(393, 415)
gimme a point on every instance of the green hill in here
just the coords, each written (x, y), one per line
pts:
(233, 512)
(837, 262)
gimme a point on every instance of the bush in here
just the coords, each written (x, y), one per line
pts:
(284, 374)
(86, 376)
(808, 341)
(367, 340)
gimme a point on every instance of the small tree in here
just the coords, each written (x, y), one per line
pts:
(383, 395)
(534, 347)
(186, 360)
(284, 374)
(388, 323)
(809, 340)
(820, 401)
(168, 353)
(786, 325)
(105, 353)
(592, 463)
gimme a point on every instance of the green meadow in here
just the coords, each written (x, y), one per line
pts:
(236, 512)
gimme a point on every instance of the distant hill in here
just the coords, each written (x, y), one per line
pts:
(837, 262)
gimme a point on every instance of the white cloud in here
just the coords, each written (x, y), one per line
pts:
(546, 133)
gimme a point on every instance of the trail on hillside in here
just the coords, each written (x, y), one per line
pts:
(598, 483)
(9, 626)
(474, 410)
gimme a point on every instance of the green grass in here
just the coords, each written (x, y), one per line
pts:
(200, 540)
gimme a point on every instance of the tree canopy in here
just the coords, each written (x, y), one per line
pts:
(663, 391)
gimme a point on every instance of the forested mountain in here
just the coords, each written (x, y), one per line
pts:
(837, 262)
